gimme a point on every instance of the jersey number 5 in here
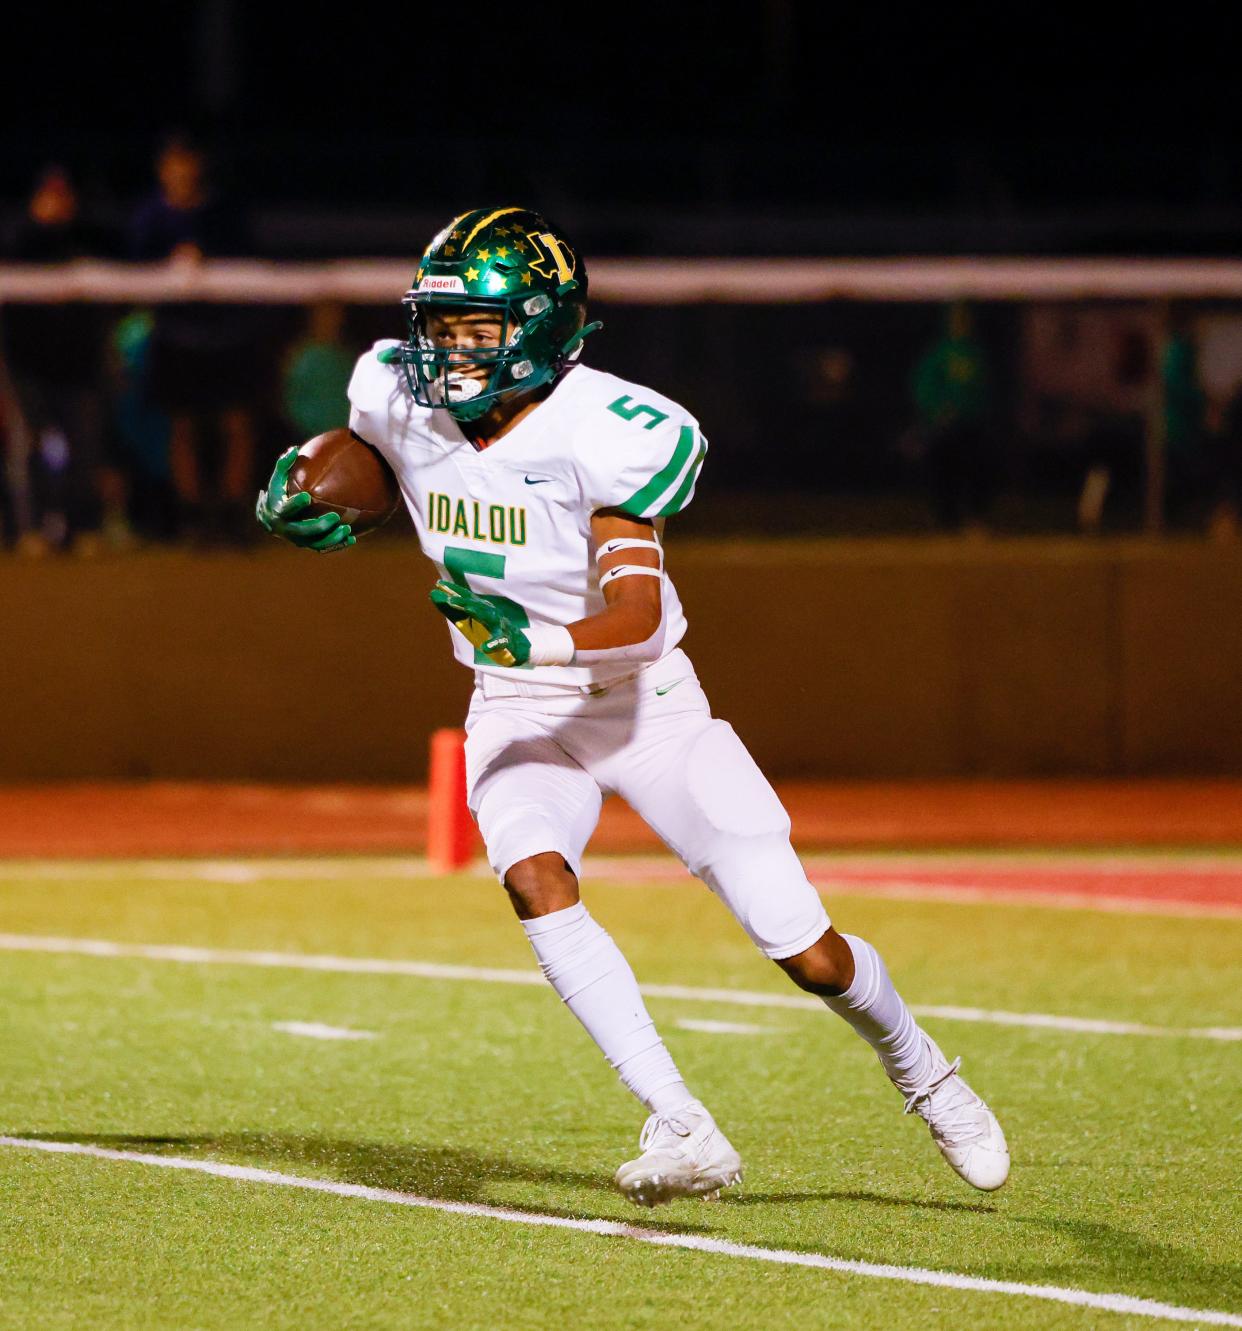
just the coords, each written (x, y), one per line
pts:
(629, 410)
(459, 563)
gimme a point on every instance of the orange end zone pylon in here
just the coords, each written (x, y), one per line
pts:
(451, 836)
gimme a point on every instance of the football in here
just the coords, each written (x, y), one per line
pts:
(344, 475)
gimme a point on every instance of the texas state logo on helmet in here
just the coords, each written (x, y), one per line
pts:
(517, 265)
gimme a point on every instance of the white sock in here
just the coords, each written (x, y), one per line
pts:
(595, 982)
(876, 1011)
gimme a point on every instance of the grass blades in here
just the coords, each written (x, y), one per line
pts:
(1126, 1154)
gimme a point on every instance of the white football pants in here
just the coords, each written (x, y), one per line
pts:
(540, 759)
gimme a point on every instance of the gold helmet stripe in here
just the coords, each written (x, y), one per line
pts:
(491, 217)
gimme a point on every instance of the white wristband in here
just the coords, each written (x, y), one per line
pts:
(550, 644)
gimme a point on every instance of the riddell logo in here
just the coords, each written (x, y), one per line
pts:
(445, 282)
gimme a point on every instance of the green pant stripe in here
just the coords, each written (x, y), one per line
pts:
(655, 487)
(677, 503)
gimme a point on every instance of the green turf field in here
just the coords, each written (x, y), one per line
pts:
(1126, 1148)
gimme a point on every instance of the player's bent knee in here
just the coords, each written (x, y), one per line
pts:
(541, 884)
(766, 888)
(825, 968)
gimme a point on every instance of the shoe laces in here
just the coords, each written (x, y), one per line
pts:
(951, 1108)
(665, 1130)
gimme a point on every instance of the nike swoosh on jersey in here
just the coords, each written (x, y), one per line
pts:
(662, 689)
(543, 480)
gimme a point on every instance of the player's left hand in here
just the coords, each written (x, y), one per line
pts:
(483, 623)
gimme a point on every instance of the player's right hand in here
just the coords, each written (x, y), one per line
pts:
(483, 623)
(276, 511)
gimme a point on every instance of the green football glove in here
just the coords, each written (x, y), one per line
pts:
(483, 623)
(276, 510)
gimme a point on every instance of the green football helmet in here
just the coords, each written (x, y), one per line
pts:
(509, 262)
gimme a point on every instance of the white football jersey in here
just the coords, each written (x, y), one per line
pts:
(513, 521)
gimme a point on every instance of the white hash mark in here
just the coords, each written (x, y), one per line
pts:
(316, 1030)
(724, 1027)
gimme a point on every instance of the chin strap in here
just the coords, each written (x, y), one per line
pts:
(572, 346)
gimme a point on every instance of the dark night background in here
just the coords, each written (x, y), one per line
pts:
(777, 127)
(772, 128)
(1047, 474)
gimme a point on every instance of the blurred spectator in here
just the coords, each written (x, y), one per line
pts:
(1225, 518)
(54, 230)
(203, 371)
(317, 371)
(1185, 409)
(950, 386)
(140, 428)
(63, 485)
(1183, 395)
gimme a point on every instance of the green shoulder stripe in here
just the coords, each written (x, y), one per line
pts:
(678, 501)
(641, 500)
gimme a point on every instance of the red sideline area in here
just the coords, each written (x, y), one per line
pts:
(1075, 881)
(173, 819)
(162, 818)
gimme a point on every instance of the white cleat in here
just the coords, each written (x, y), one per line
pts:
(683, 1155)
(962, 1126)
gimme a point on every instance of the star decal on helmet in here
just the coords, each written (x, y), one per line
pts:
(472, 274)
(483, 255)
(502, 252)
(526, 279)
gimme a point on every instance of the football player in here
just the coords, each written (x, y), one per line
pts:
(538, 487)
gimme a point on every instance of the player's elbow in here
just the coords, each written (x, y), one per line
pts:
(633, 630)
(649, 649)
(645, 632)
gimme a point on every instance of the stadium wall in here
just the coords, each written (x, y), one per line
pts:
(847, 659)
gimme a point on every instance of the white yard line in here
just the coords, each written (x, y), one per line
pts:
(235, 870)
(1156, 860)
(911, 1275)
(430, 970)
(724, 1027)
(316, 1030)
(957, 894)
(664, 871)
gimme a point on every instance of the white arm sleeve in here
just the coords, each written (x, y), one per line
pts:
(650, 649)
